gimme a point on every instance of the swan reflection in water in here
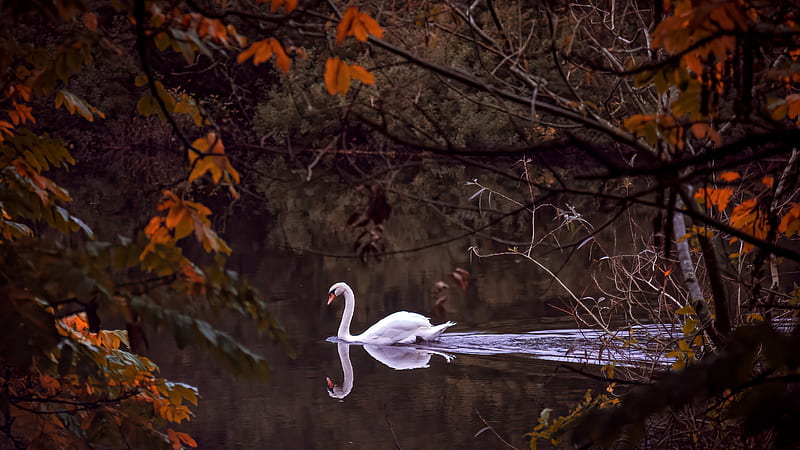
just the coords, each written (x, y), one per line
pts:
(394, 356)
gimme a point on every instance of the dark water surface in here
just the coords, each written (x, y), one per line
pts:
(440, 406)
(443, 405)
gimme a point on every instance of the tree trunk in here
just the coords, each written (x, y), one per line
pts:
(696, 298)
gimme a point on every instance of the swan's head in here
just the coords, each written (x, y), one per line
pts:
(337, 290)
(336, 391)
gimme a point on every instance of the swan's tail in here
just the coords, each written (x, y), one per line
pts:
(433, 333)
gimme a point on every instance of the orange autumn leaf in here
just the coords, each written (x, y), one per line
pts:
(20, 90)
(793, 106)
(780, 111)
(790, 223)
(21, 114)
(42, 186)
(195, 277)
(729, 176)
(90, 21)
(748, 218)
(361, 74)
(332, 75)
(49, 384)
(634, 122)
(208, 156)
(288, 5)
(183, 217)
(338, 75)
(702, 130)
(768, 181)
(179, 439)
(282, 61)
(192, 273)
(216, 30)
(5, 129)
(716, 197)
(357, 24)
(262, 51)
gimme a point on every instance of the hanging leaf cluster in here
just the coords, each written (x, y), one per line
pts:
(357, 24)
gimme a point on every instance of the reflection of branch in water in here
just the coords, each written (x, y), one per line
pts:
(490, 428)
(599, 377)
(391, 428)
(394, 356)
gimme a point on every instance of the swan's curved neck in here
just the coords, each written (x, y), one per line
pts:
(347, 316)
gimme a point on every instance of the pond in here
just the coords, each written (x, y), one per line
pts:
(439, 406)
(390, 398)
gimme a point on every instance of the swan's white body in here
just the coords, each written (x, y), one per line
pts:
(399, 328)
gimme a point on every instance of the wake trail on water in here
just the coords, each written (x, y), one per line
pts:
(634, 345)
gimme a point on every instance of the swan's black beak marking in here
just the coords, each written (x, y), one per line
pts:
(331, 296)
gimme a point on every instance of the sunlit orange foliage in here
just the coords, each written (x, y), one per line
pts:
(181, 219)
(338, 75)
(288, 5)
(194, 277)
(206, 27)
(21, 114)
(654, 127)
(790, 223)
(714, 196)
(6, 129)
(263, 50)
(747, 217)
(788, 108)
(211, 159)
(179, 439)
(357, 24)
(693, 22)
(729, 176)
(702, 130)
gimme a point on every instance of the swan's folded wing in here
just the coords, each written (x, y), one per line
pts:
(433, 333)
(394, 328)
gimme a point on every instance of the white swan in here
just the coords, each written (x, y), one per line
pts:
(399, 328)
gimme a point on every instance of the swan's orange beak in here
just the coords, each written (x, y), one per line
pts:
(331, 297)
(330, 383)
